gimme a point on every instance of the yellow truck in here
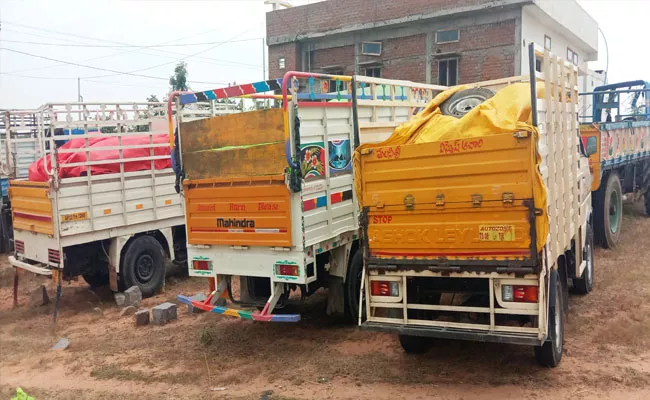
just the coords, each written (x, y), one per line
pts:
(476, 217)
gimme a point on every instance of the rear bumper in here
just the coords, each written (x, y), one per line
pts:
(243, 314)
(29, 267)
(451, 333)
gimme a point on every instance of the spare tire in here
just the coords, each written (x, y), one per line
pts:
(460, 103)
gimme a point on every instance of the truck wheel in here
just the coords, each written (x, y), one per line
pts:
(585, 283)
(460, 103)
(609, 211)
(550, 353)
(353, 288)
(647, 202)
(415, 344)
(143, 265)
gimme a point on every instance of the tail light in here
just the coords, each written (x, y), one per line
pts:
(53, 256)
(201, 265)
(287, 270)
(19, 246)
(384, 288)
(519, 293)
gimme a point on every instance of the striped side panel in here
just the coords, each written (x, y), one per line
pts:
(232, 91)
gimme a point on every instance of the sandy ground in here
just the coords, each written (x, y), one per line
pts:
(210, 357)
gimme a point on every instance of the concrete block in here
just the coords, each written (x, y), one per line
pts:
(120, 299)
(61, 344)
(133, 296)
(164, 313)
(126, 311)
(196, 297)
(142, 317)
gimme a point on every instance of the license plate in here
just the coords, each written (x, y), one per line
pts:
(496, 233)
(79, 216)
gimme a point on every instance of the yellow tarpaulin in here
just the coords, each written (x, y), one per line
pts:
(509, 110)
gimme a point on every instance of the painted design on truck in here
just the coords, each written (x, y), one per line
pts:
(313, 160)
(340, 156)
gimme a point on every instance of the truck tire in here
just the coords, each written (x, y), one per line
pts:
(461, 103)
(585, 283)
(608, 207)
(415, 344)
(143, 265)
(353, 288)
(647, 202)
(549, 354)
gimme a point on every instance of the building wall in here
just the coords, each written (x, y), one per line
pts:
(291, 54)
(485, 52)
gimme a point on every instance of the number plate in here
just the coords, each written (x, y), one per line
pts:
(496, 233)
(79, 216)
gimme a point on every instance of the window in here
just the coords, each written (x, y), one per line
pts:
(331, 84)
(571, 56)
(448, 72)
(371, 48)
(375, 72)
(281, 63)
(547, 42)
(447, 36)
(538, 64)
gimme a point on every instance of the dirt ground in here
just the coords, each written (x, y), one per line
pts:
(205, 356)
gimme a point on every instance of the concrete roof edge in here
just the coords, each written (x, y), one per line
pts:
(282, 39)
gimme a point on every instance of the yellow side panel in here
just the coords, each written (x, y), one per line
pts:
(31, 207)
(587, 131)
(244, 144)
(459, 199)
(251, 212)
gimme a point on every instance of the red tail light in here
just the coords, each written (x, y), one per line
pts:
(384, 288)
(287, 270)
(525, 294)
(201, 265)
(19, 246)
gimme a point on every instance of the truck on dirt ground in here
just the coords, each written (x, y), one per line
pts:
(100, 202)
(617, 137)
(269, 191)
(476, 224)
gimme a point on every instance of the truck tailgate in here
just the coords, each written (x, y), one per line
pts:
(242, 212)
(31, 206)
(464, 199)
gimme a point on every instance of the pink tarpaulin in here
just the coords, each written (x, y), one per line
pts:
(37, 172)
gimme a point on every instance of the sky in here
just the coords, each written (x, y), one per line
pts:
(221, 41)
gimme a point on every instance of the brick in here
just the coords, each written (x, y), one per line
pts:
(142, 317)
(164, 313)
(120, 299)
(196, 297)
(133, 296)
(126, 311)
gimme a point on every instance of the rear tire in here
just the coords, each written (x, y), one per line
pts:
(143, 265)
(608, 207)
(585, 283)
(647, 202)
(461, 103)
(415, 344)
(550, 353)
(353, 288)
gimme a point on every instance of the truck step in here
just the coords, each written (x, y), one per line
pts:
(237, 313)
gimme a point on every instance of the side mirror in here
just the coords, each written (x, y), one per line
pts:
(592, 145)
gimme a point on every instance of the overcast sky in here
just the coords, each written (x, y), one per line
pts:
(232, 29)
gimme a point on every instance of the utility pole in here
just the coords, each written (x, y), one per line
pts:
(79, 98)
(264, 58)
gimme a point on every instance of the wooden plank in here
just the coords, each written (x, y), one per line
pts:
(239, 162)
(242, 129)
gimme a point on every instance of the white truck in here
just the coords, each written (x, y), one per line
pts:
(17, 151)
(479, 236)
(110, 221)
(269, 193)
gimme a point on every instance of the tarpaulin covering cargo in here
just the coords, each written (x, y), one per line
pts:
(103, 148)
(507, 112)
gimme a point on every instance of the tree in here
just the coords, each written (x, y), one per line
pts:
(178, 81)
(152, 99)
